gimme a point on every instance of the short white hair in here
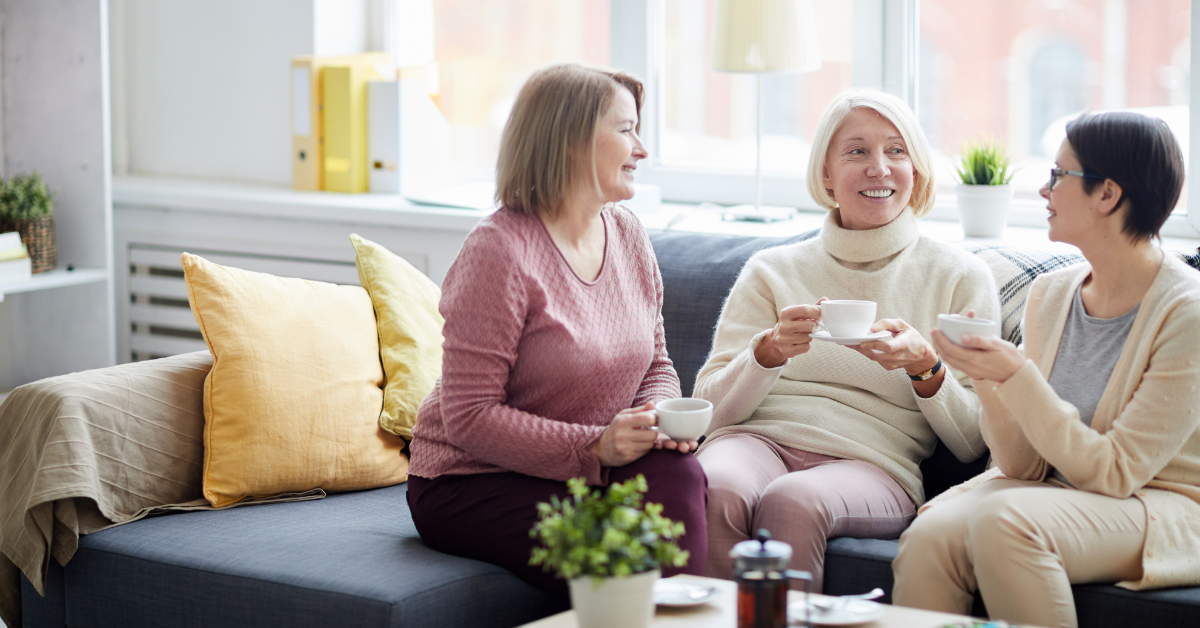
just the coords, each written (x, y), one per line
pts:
(893, 110)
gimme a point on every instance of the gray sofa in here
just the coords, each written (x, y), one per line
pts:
(355, 559)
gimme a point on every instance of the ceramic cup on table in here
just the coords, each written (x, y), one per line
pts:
(683, 418)
(955, 325)
(847, 319)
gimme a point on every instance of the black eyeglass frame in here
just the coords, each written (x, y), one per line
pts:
(1058, 173)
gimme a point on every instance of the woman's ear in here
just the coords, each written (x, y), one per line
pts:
(1110, 194)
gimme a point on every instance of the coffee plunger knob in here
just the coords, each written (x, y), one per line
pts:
(762, 536)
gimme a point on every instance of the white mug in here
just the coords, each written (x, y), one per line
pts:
(683, 418)
(955, 325)
(847, 319)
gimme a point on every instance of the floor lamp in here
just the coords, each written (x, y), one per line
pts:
(760, 37)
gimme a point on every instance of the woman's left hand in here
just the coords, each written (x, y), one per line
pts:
(980, 357)
(665, 442)
(906, 349)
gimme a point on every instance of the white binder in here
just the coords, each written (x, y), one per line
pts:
(408, 139)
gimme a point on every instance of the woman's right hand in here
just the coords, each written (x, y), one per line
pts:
(627, 438)
(790, 337)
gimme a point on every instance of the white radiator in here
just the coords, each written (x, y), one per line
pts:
(161, 321)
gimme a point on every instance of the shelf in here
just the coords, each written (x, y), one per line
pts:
(57, 278)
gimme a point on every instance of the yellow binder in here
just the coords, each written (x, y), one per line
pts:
(307, 119)
(344, 94)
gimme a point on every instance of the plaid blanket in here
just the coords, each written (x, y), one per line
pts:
(1015, 268)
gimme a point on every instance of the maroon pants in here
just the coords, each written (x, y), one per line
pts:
(488, 516)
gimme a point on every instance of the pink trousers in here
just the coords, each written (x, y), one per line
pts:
(802, 498)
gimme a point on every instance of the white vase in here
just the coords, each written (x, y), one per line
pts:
(614, 602)
(983, 209)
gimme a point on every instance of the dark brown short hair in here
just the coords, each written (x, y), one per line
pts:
(548, 143)
(1141, 155)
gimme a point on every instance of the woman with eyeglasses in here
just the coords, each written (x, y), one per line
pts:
(1092, 422)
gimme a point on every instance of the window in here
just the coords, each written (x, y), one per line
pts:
(1036, 65)
(485, 50)
(709, 117)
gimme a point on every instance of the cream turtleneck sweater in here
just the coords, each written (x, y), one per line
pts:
(832, 400)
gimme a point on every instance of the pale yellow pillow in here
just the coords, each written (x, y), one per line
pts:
(293, 398)
(410, 331)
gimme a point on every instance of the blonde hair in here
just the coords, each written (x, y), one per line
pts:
(893, 110)
(548, 144)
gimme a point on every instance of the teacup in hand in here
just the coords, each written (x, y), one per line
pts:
(955, 325)
(683, 418)
(847, 319)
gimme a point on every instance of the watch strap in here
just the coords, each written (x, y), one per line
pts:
(920, 377)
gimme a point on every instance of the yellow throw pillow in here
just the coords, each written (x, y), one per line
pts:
(410, 331)
(292, 401)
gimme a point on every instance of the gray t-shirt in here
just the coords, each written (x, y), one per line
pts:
(1086, 356)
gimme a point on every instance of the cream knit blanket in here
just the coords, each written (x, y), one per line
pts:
(832, 400)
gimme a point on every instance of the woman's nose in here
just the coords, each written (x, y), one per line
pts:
(1045, 191)
(878, 166)
(639, 149)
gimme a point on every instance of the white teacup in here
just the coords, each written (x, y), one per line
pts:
(955, 325)
(683, 418)
(847, 319)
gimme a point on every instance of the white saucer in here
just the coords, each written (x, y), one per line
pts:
(669, 593)
(852, 613)
(877, 335)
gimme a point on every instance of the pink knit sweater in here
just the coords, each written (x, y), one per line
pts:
(537, 362)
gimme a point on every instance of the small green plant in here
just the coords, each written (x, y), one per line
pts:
(605, 533)
(985, 162)
(25, 196)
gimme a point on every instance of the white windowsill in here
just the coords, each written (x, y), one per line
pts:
(393, 210)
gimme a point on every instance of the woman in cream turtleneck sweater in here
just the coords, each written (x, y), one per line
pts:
(813, 439)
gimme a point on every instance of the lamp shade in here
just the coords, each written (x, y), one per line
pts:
(765, 36)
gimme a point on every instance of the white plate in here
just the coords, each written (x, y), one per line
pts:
(852, 613)
(878, 335)
(669, 593)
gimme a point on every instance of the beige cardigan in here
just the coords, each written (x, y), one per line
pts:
(832, 400)
(1143, 440)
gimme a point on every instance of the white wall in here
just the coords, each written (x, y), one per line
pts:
(201, 87)
(55, 117)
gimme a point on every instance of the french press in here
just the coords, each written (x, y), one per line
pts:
(760, 569)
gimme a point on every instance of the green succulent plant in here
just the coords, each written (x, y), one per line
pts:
(985, 162)
(605, 533)
(25, 196)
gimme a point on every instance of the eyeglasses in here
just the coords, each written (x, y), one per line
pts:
(1058, 173)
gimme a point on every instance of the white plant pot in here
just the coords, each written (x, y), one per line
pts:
(615, 602)
(983, 209)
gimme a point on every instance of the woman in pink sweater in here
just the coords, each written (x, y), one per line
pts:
(554, 352)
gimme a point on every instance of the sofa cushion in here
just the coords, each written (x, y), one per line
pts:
(698, 271)
(351, 559)
(410, 331)
(293, 398)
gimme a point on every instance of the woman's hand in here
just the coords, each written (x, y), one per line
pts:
(628, 437)
(980, 357)
(906, 349)
(790, 337)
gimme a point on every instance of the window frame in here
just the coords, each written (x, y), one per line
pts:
(886, 35)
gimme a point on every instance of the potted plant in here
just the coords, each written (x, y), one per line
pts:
(984, 190)
(609, 547)
(27, 207)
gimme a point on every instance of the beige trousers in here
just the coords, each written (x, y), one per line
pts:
(1022, 545)
(802, 498)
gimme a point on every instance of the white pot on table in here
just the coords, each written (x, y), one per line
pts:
(614, 602)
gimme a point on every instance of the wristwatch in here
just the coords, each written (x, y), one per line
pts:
(920, 377)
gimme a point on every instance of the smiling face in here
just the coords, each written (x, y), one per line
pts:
(869, 170)
(1068, 204)
(617, 148)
